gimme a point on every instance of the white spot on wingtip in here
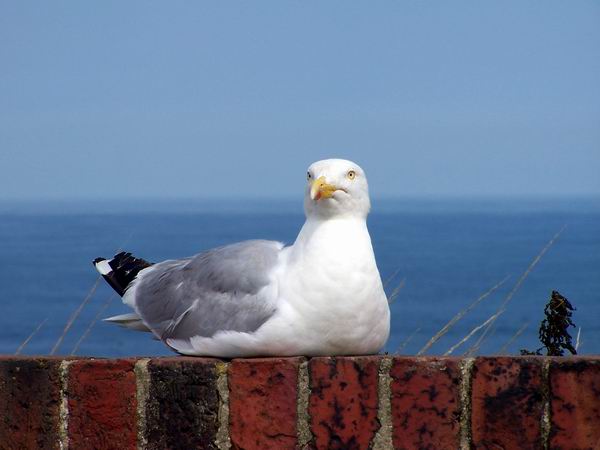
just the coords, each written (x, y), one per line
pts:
(103, 267)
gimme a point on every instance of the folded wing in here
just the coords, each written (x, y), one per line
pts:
(225, 289)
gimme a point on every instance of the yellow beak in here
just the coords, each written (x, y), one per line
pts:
(321, 189)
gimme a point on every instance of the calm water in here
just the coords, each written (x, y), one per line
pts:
(447, 252)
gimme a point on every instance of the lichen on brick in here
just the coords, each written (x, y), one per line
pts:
(63, 430)
(466, 369)
(383, 437)
(142, 385)
(545, 424)
(305, 436)
(222, 440)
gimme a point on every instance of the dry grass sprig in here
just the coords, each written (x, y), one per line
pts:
(391, 278)
(33, 333)
(396, 292)
(473, 331)
(459, 316)
(106, 304)
(75, 314)
(475, 348)
(578, 343)
(407, 340)
(87, 298)
(513, 338)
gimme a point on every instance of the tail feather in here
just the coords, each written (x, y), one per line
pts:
(121, 270)
(131, 321)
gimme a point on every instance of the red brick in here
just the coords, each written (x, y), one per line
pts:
(343, 401)
(425, 403)
(183, 403)
(102, 404)
(262, 403)
(507, 403)
(575, 403)
(29, 403)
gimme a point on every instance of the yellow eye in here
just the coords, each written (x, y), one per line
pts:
(351, 175)
(308, 176)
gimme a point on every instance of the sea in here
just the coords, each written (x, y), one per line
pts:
(436, 257)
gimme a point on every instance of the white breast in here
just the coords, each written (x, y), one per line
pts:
(333, 289)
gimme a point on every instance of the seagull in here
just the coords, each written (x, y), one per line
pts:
(321, 296)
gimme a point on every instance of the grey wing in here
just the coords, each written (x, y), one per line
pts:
(220, 289)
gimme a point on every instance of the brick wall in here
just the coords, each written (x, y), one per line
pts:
(361, 402)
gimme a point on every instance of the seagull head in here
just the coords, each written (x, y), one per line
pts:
(336, 187)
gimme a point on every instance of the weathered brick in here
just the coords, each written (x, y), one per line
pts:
(29, 403)
(343, 401)
(425, 403)
(575, 403)
(102, 404)
(262, 403)
(507, 403)
(183, 403)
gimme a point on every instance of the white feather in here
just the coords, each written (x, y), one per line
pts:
(103, 267)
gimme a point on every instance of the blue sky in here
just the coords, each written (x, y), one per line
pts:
(224, 99)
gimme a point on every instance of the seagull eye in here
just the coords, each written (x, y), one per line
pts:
(351, 174)
(308, 176)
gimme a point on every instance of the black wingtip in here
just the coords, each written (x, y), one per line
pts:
(124, 267)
